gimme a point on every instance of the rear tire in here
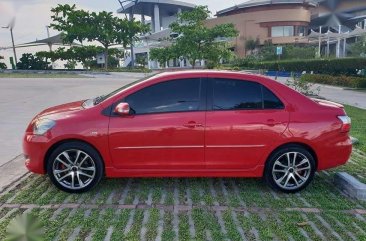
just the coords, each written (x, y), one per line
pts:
(75, 167)
(290, 169)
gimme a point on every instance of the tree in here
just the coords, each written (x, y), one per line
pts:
(86, 55)
(195, 41)
(103, 27)
(29, 61)
(163, 55)
(358, 49)
(251, 44)
(2, 65)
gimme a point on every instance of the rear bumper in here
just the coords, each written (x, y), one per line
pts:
(34, 150)
(335, 153)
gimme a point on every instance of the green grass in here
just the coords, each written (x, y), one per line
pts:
(358, 129)
(39, 75)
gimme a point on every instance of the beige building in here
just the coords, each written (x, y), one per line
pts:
(277, 21)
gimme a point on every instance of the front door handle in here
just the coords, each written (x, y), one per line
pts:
(192, 124)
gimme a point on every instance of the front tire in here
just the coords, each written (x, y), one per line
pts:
(75, 167)
(290, 169)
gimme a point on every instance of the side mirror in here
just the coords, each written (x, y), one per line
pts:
(122, 109)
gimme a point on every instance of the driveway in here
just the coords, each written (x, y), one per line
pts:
(21, 99)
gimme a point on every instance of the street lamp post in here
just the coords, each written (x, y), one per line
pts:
(12, 40)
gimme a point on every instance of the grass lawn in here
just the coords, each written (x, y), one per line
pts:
(35, 75)
(358, 129)
(195, 208)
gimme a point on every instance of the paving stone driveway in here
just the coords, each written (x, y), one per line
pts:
(186, 209)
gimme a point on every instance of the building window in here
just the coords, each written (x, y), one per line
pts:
(282, 31)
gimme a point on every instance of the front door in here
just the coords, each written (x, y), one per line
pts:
(165, 129)
(244, 120)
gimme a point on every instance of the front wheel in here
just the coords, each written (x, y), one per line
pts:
(75, 167)
(290, 169)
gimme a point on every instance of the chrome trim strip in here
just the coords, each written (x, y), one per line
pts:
(180, 147)
(234, 146)
(157, 147)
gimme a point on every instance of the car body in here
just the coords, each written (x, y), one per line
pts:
(194, 124)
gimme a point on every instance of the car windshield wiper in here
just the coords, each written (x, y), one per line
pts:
(98, 99)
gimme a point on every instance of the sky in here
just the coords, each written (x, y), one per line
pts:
(32, 17)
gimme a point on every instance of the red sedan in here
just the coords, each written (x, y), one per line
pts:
(190, 124)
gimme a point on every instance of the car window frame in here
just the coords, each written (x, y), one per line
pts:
(210, 95)
(202, 103)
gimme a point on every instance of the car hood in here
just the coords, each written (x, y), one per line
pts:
(61, 110)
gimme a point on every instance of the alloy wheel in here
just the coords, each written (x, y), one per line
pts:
(74, 169)
(291, 170)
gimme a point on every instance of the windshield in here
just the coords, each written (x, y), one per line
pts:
(99, 99)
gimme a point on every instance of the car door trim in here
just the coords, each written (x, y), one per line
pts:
(234, 146)
(155, 147)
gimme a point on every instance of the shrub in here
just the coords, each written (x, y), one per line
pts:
(345, 66)
(342, 80)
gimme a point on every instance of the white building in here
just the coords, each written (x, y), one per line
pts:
(159, 14)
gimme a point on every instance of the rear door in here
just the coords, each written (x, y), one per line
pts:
(243, 120)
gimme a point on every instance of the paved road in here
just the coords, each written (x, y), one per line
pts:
(338, 94)
(21, 99)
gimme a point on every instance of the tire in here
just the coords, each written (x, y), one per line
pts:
(282, 174)
(75, 167)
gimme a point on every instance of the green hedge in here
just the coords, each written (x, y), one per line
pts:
(342, 80)
(345, 66)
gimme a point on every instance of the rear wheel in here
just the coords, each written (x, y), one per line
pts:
(290, 169)
(75, 167)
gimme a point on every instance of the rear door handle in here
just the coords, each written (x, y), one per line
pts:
(272, 122)
(192, 124)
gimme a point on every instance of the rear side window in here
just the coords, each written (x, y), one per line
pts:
(170, 96)
(236, 95)
(270, 101)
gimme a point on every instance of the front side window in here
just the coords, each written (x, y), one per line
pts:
(282, 31)
(170, 96)
(236, 95)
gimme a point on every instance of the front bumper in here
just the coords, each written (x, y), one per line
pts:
(34, 150)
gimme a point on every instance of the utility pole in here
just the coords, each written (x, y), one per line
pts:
(12, 40)
(320, 42)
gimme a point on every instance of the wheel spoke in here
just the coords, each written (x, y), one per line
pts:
(72, 179)
(66, 175)
(302, 178)
(56, 172)
(66, 155)
(284, 171)
(288, 179)
(278, 163)
(64, 163)
(77, 157)
(293, 177)
(82, 161)
(84, 174)
(279, 180)
(87, 168)
(288, 159)
(302, 162)
(81, 184)
(302, 169)
(294, 159)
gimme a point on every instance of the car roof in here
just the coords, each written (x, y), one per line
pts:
(209, 72)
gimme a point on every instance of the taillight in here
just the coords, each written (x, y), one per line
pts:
(346, 123)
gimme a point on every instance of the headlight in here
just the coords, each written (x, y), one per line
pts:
(42, 126)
